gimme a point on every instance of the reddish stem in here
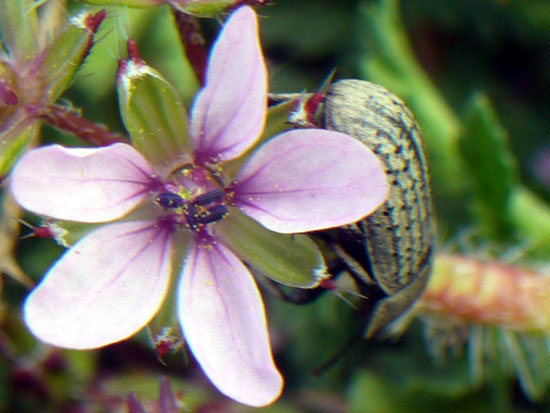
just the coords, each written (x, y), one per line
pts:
(133, 51)
(7, 95)
(92, 23)
(71, 121)
(193, 43)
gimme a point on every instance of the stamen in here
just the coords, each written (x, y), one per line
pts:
(196, 212)
(170, 200)
(212, 196)
(190, 213)
(213, 214)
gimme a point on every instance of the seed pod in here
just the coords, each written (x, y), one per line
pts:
(389, 252)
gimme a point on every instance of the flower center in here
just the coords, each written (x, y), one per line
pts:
(194, 198)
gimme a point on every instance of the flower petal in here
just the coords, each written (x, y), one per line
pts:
(223, 319)
(229, 113)
(310, 179)
(81, 184)
(105, 288)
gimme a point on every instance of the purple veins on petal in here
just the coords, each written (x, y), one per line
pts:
(229, 112)
(223, 318)
(105, 288)
(310, 179)
(82, 184)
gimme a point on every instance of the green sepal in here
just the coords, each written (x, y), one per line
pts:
(277, 119)
(68, 233)
(11, 95)
(201, 8)
(276, 123)
(19, 28)
(127, 3)
(67, 52)
(483, 145)
(293, 260)
(166, 321)
(13, 142)
(153, 113)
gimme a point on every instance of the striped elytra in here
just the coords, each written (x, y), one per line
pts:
(393, 247)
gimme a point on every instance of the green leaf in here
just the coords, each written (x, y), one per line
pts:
(531, 217)
(19, 28)
(67, 52)
(292, 260)
(153, 113)
(375, 393)
(484, 147)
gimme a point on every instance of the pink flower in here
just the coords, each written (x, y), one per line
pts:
(113, 281)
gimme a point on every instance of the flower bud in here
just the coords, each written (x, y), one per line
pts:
(67, 52)
(152, 110)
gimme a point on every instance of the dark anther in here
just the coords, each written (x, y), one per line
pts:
(191, 215)
(213, 214)
(170, 200)
(205, 199)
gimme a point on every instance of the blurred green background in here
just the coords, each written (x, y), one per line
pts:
(476, 74)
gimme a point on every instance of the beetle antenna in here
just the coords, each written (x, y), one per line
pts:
(340, 292)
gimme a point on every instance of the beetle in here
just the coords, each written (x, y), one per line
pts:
(389, 254)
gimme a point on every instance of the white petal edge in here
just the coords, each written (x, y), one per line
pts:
(223, 319)
(104, 289)
(81, 184)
